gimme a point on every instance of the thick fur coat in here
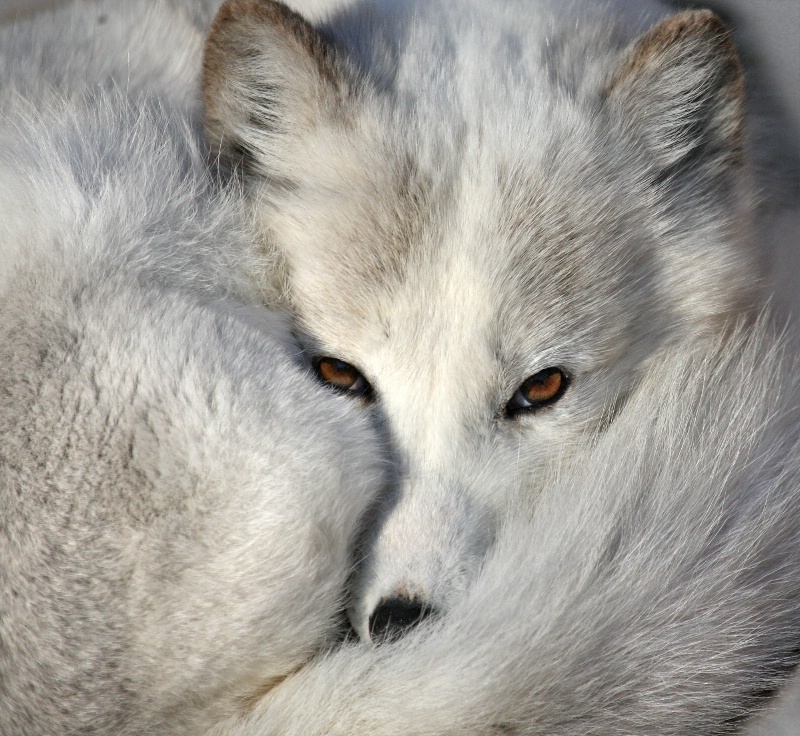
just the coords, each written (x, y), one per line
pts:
(178, 495)
(180, 500)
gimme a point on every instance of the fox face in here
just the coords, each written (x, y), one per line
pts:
(484, 235)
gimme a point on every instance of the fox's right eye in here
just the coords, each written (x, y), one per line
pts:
(342, 377)
(540, 390)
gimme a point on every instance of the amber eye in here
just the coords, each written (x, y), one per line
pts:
(540, 390)
(342, 377)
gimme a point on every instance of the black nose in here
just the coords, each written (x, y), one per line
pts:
(394, 616)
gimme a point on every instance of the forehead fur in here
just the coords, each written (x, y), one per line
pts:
(506, 154)
(376, 236)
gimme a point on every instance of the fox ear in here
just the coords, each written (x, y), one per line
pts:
(680, 87)
(268, 77)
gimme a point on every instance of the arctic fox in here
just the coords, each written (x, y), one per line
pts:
(178, 499)
(489, 218)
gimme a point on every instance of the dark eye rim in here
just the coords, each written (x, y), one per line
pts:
(513, 410)
(363, 388)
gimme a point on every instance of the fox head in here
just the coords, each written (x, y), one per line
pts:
(486, 224)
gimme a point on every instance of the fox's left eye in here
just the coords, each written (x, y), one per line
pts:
(342, 377)
(538, 391)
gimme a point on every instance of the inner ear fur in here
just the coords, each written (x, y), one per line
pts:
(681, 87)
(268, 75)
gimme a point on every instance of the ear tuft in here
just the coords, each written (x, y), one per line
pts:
(681, 87)
(268, 74)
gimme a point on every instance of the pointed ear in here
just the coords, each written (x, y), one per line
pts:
(268, 77)
(680, 87)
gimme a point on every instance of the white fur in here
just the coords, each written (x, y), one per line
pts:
(653, 591)
(178, 496)
(458, 195)
(461, 194)
(178, 499)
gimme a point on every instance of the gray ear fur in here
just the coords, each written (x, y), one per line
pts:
(681, 88)
(268, 78)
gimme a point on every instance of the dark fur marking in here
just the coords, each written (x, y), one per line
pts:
(662, 40)
(235, 15)
(776, 673)
(238, 37)
(699, 38)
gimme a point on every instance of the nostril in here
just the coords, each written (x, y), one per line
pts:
(394, 616)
